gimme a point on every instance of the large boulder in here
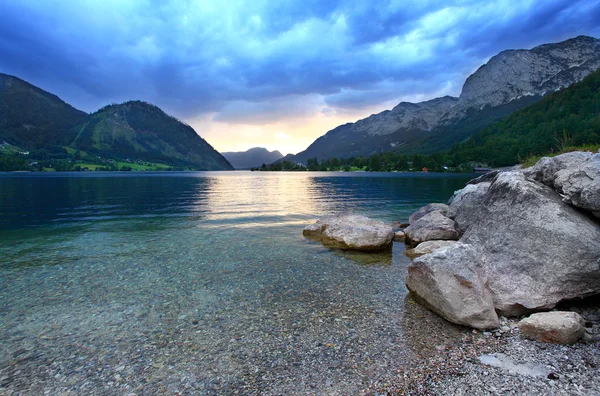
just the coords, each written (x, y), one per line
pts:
(554, 327)
(428, 247)
(466, 204)
(432, 226)
(455, 292)
(537, 251)
(350, 231)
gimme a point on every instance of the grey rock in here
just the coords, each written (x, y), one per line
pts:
(554, 327)
(466, 203)
(545, 170)
(536, 250)
(428, 247)
(458, 293)
(580, 184)
(442, 208)
(355, 232)
(432, 226)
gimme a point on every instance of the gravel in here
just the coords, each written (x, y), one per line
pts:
(458, 369)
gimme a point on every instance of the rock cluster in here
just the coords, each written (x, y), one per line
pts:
(530, 241)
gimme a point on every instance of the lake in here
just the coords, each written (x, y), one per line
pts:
(202, 283)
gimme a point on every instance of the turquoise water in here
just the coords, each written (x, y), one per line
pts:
(200, 283)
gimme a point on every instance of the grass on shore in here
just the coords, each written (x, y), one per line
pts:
(532, 160)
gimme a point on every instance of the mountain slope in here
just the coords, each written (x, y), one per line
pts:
(511, 80)
(33, 118)
(252, 158)
(139, 130)
(569, 117)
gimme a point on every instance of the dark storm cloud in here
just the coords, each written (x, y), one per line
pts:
(255, 61)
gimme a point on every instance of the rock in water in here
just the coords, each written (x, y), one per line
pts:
(354, 232)
(431, 226)
(399, 236)
(554, 327)
(455, 292)
(428, 247)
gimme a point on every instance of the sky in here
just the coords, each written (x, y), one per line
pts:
(270, 73)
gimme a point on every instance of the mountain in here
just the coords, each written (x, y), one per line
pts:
(511, 80)
(563, 119)
(252, 158)
(139, 130)
(33, 118)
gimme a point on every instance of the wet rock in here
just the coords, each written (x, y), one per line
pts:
(431, 226)
(560, 327)
(399, 236)
(428, 247)
(355, 232)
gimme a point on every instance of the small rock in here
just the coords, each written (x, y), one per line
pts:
(399, 236)
(559, 327)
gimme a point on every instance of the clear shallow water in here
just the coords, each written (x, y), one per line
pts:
(201, 282)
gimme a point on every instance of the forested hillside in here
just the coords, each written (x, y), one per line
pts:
(569, 117)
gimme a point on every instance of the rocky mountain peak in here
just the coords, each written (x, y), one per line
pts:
(513, 74)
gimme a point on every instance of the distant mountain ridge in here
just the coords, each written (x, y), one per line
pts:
(510, 80)
(32, 118)
(252, 158)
